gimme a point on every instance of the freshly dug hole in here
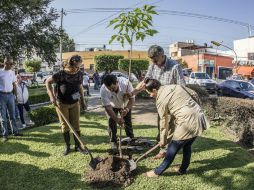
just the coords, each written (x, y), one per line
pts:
(112, 171)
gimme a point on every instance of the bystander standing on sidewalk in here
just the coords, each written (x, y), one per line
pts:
(8, 92)
(22, 99)
(86, 83)
(96, 80)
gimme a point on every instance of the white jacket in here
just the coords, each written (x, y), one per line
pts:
(22, 93)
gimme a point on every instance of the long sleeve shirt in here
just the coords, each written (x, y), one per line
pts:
(189, 120)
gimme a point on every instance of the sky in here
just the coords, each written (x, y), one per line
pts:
(86, 33)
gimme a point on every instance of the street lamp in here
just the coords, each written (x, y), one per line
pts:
(220, 44)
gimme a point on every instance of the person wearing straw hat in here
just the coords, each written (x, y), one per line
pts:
(69, 96)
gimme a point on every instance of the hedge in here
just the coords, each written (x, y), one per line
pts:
(107, 62)
(43, 115)
(236, 115)
(38, 98)
(137, 65)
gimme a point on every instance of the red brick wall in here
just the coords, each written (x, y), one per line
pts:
(220, 61)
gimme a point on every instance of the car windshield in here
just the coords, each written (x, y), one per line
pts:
(202, 76)
(246, 86)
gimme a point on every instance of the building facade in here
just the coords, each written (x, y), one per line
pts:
(244, 49)
(88, 56)
(216, 63)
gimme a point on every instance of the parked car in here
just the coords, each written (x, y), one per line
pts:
(236, 88)
(235, 77)
(41, 77)
(252, 81)
(120, 74)
(203, 80)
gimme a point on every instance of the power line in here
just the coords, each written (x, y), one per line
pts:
(167, 12)
(103, 20)
(106, 19)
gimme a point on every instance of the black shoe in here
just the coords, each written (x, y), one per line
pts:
(5, 139)
(66, 150)
(79, 149)
(18, 134)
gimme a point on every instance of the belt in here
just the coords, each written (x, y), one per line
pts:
(5, 92)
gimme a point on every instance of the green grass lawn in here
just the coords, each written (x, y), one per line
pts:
(35, 161)
(37, 91)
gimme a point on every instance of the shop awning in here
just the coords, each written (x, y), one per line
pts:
(245, 70)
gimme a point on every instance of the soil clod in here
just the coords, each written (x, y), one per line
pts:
(111, 171)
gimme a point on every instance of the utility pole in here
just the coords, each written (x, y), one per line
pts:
(61, 35)
(249, 28)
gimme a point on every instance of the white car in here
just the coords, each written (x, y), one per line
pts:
(203, 79)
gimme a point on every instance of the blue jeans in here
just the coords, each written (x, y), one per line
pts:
(172, 150)
(7, 103)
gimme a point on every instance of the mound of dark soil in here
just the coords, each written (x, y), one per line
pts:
(112, 171)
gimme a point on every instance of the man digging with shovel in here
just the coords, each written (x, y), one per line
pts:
(179, 103)
(113, 98)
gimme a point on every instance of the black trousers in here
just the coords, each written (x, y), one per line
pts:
(21, 113)
(113, 126)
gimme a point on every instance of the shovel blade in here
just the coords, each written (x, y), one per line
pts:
(133, 165)
(94, 162)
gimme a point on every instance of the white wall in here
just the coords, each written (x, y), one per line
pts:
(243, 47)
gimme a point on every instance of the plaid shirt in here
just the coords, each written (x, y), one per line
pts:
(170, 73)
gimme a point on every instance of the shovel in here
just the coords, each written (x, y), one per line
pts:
(94, 161)
(133, 164)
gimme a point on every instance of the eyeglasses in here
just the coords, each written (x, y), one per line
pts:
(76, 59)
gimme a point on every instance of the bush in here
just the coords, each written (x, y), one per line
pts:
(238, 116)
(137, 65)
(107, 62)
(38, 98)
(33, 65)
(34, 87)
(43, 115)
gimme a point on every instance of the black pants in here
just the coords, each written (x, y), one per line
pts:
(86, 87)
(21, 113)
(113, 126)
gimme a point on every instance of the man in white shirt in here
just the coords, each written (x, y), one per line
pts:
(85, 83)
(8, 92)
(113, 98)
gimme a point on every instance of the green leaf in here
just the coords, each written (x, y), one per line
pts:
(117, 26)
(150, 8)
(112, 38)
(127, 37)
(113, 22)
(153, 12)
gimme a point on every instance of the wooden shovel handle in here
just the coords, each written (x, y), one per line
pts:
(149, 151)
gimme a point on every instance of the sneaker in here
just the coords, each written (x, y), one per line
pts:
(5, 139)
(23, 125)
(113, 146)
(18, 134)
(31, 122)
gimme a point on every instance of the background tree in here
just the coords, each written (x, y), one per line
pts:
(27, 28)
(107, 62)
(182, 63)
(68, 43)
(133, 25)
(138, 65)
(33, 65)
